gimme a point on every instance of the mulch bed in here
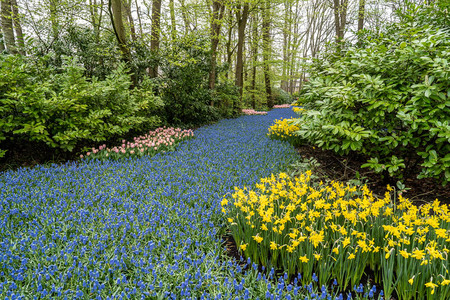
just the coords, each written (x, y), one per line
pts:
(345, 168)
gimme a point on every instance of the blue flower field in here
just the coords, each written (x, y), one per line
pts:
(138, 228)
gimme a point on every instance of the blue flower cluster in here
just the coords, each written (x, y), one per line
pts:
(139, 228)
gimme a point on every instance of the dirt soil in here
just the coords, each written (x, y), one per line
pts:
(345, 168)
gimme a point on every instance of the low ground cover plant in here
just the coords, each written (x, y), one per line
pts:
(336, 231)
(159, 140)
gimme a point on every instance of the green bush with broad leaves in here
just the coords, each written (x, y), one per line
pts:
(280, 96)
(183, 85)
(388, 99)
(63, 108)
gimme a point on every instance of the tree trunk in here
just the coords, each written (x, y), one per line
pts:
(340, 18)
(361, 13)
(115, 10)
(139, 18)
(7, 26)
(228, 45)
(54, 19)
(266, 52)
(126, 4)
(284, 81)
(242, 17)
(18, 27)
(217, 15)
(96, 11)
(173, 26)
(185, 17)
(254, 50)
(2, 45)
(156, 28)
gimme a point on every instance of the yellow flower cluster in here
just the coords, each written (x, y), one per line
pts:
(282, 129)
(338, 230)
(298, 110)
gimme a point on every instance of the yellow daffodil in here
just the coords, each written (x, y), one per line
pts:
(345, 242)
(431, 285)
(404, 253)
(273, 245)
(224, 202)
(445, 282)
(303, 259)
(317, 238)
(258, 239)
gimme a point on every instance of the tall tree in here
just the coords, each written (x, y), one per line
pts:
(96, 11)
(7, 26)
(173, 25)
(54, 19)
(340, 20)
(242, 12)
(218, 9)
(185, 17)
(115, 10)
(254, 52)
(287, 30)
(138, 12)
(156, 28)
(18, 27)
(361, 13)
(128, 18)
(229, 50)
(266, 52)
(2, 45)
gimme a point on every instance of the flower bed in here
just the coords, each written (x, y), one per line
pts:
(148, 227)
(338, 230)
(284, 129)
(159, 140)
(282, 106)
(251, 112)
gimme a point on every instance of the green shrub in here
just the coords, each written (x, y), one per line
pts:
(63, 109)
(183, 85)
(280, 96)
(388, 100)
(224, 95)
(99, 56)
